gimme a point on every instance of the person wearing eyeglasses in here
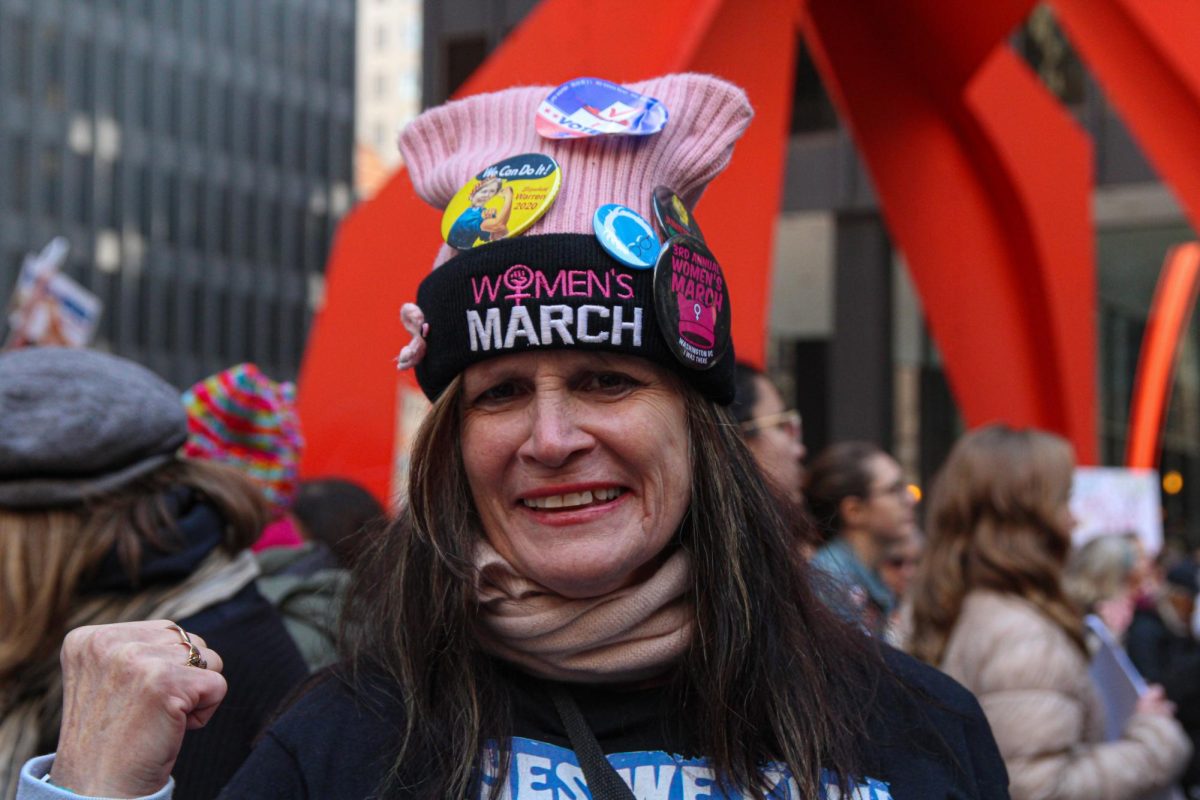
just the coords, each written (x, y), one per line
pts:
(861, 503)
(900, 561)
(772, 432)
(897, 569)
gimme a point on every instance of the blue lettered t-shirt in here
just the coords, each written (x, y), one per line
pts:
(542, 771)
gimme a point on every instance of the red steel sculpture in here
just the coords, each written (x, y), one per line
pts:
(983, 178)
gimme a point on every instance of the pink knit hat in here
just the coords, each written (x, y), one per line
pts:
(447, 146)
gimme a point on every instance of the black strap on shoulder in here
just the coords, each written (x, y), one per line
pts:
(603, 781)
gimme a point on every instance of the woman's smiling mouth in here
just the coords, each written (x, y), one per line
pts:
(573, 500)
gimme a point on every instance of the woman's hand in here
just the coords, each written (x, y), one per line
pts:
(1155, 702)
(129, 695)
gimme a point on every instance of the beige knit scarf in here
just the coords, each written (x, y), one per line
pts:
(31, 705)
(627, 635)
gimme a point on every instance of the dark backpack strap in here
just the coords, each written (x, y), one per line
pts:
(603, 781)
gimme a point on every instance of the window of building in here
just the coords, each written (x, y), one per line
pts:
(142, 71)
(812, 110)
(220, 113)
(145, 200)
(50, 180)
(197, 211)
(248, 29)
(233, 310)
(298, 55)
(270, 33)
(198, 306)
(249, 249)
(147, 312)
(312, 142)
(15, 34)
(293, 138)
(174, 101)
(321, 64)
(237, 123)
(50, 46)
(17, 193)
(322, 144)
(233, 23)
(272, 234)
(272, 116)
(84, 207)
(179, 9)
(314, 258)
(296, 235)
(1047, 50)
(463, 57)
(225, 229)
(342, 146)
(84, 53)
(113, 98)
(174, 211)
(115, 196)
(195, 108)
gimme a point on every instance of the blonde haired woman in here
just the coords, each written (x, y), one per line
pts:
(1103, 577)
(989, 609)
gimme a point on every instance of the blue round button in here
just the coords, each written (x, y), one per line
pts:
(626, 235)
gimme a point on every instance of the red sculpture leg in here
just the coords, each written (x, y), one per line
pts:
(985, 184)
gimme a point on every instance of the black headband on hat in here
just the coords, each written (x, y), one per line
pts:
(551, 291)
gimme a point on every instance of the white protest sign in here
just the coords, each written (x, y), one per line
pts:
(48, 307)
(1108, 500)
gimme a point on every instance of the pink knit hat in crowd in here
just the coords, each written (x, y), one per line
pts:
(466, 309)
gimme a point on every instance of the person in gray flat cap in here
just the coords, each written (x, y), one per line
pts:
(103, 521)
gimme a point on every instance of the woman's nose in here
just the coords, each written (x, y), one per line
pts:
(555, 431)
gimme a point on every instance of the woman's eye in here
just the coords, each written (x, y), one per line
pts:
(497, 394)
(609, 382)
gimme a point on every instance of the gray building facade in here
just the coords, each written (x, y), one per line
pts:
(197, 154)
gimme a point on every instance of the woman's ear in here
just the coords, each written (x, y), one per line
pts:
(852, 509)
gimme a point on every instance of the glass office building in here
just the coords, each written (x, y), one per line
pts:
(197, 154)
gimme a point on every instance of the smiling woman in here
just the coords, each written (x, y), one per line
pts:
(591, 592)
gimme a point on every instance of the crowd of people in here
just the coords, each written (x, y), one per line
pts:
(616, 572)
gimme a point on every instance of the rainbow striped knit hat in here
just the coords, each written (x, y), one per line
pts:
(243, 418)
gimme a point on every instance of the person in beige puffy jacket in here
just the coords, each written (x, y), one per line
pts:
(989, 610)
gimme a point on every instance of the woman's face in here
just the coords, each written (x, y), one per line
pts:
(778, 449)
(578, 463)
(900, 562)
(890, 508)
(484, 192)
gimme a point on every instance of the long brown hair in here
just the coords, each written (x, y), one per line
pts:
(995, 522)
(771, 674)
(46, 554)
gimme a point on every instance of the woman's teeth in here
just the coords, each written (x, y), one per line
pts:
(572, 499)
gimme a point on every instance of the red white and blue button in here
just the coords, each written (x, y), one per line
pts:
(596, 107)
